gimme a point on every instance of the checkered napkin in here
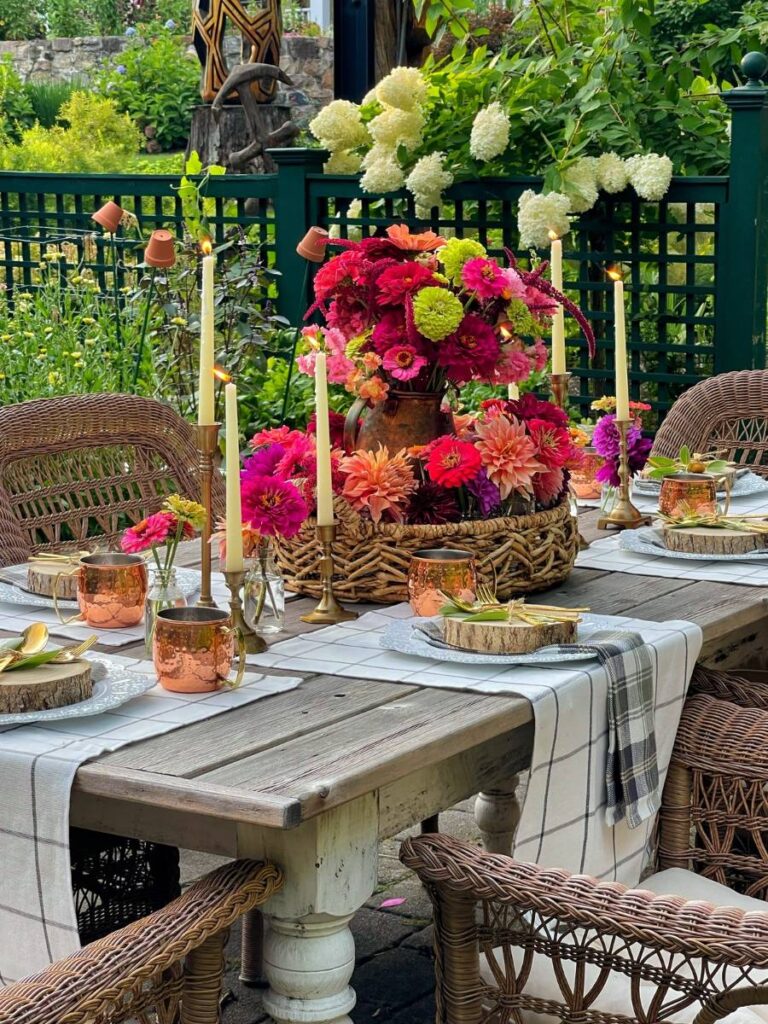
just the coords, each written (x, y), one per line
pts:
(38, 764)
(564, 821)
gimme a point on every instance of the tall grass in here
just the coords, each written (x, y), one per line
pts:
(47, 98)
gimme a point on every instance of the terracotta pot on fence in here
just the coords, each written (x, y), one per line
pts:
(404, 419)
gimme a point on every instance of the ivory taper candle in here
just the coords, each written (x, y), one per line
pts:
(513, 392)
(558, 320)
(205, 402)
(234, 532)
(323, 440)
(620, 358)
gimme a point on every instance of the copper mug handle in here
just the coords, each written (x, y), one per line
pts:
(225, 680)
(72, 618)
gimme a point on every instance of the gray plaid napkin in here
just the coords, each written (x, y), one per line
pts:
(631, 771)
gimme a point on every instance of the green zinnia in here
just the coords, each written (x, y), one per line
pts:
(456, 252)
(437, 313)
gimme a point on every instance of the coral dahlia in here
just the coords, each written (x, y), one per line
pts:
(378, 482)
(508, 454)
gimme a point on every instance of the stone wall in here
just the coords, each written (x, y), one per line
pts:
(307, 60)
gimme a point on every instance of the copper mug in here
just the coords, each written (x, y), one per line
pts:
(688, 494)
(438, 571)
(193, 649)
(111, 590)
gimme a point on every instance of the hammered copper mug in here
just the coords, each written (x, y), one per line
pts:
(111, 590)
(438, 571)
(193, 649)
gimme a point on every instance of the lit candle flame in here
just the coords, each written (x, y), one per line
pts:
(507, 330)
(553, 235)
(614, 273)
(221, 375)
(207, 246)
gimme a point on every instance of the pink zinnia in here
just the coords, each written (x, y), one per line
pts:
(306, 363)
(403, 362)
(508, 454)
(273, 506)
(472, 352)
(484, 277)
(155, 529)
(452, 463)
(553, 443)
(403, 279)
(538, 353)
(299, 458)
(513, 366)
(514, 288)
(390, 330)
(338, 367)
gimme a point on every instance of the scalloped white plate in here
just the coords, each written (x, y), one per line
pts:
(647, 540)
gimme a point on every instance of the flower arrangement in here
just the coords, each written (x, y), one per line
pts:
(607, 444)
(414, 312)
(179, 519)
(512, 457)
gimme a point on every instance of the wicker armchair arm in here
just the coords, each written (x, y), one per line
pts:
(705, 738)
(104, 972)
(459, 871)
(747, 687)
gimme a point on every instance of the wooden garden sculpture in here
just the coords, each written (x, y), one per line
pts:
(261, 29)
(242, 80)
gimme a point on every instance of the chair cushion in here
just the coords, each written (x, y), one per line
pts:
(615, 998)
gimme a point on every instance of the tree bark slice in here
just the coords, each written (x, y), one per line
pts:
(708, 540)
(41, 579)
(45, 687)
(504, 637)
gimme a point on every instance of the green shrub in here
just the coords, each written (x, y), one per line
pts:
(83, 17)
(16, 111)
(92, 136)
(158, 85)
(47, 99)
(21, 19)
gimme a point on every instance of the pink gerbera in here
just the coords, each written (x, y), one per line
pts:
(508, 454)
(154, 530)
(471, 352)
(553, 443)
(484, 277)
(452, 463)
(273, 506)
(400, 280)
(403, 362)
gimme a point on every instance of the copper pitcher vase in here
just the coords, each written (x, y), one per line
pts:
(402, 420)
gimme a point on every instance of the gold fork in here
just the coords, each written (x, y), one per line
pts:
(67, 654)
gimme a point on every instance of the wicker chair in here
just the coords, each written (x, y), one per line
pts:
(748, 687)
(72, 468)
(170, 962)
(518, 943)
(727, 412)
(89, 465)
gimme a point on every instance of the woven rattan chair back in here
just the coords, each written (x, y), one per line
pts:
(727, 413)
(87, 466)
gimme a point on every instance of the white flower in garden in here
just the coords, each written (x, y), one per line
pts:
(490, 132)
(650, 175)
(612, 174)
(395, 127)
(428, 179)
(354, 210)
(580, 183)
(383, 175)
(378, 152)
(403, 87)
(370, 97)
(538, 214)
(338, 126)
(342, 161)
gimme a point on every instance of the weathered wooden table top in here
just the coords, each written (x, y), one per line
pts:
(292, 756)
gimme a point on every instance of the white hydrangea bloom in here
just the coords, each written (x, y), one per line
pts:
(395, 127)
(341, 161)
(383, 175)
(428, 179)
(370, 97)
(354, 231)
(580, 183)
(403, 87)
(490, 132)
(650, 175)
(538, 214)
(338, 126)
(612, 175)
(376, 153)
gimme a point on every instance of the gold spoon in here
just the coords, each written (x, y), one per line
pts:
(33, 640)
(14, 660)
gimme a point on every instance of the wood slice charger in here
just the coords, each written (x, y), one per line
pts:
(506, 637)
(710, 540)
(45, 687)
(41, 579)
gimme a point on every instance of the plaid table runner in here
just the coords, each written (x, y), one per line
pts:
(38, 764)
(587, 715)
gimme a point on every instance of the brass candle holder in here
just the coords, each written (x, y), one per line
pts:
(328, 609)
(623, 515)
(254, 644)
(207, 445)
(558, 386)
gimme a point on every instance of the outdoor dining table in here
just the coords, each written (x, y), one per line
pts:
(315, 777)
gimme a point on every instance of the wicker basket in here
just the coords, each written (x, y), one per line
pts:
(519, 554)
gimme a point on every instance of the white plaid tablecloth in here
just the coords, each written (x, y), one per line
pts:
(16, 617)
(38, 763)
(563, 822)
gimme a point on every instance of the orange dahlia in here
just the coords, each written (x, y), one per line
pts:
(508, 454)
(378, 482)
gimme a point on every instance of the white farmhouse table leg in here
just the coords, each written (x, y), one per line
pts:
(497, 813)
(330, 865)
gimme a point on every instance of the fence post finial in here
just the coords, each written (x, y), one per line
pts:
(754, 65)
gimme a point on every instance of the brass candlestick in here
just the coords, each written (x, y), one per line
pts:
(254, 644)
(207, 445)
(623, 515)
(558, 386)
(328, 609)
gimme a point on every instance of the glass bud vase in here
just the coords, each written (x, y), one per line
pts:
(164, 592)
(264, 593)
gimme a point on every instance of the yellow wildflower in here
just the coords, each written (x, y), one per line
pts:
(88, 320)
(179, 321)
(54, 377)
(28, 334)
(90, 341)
(75, 355)
(24, 295)
(6, 337)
